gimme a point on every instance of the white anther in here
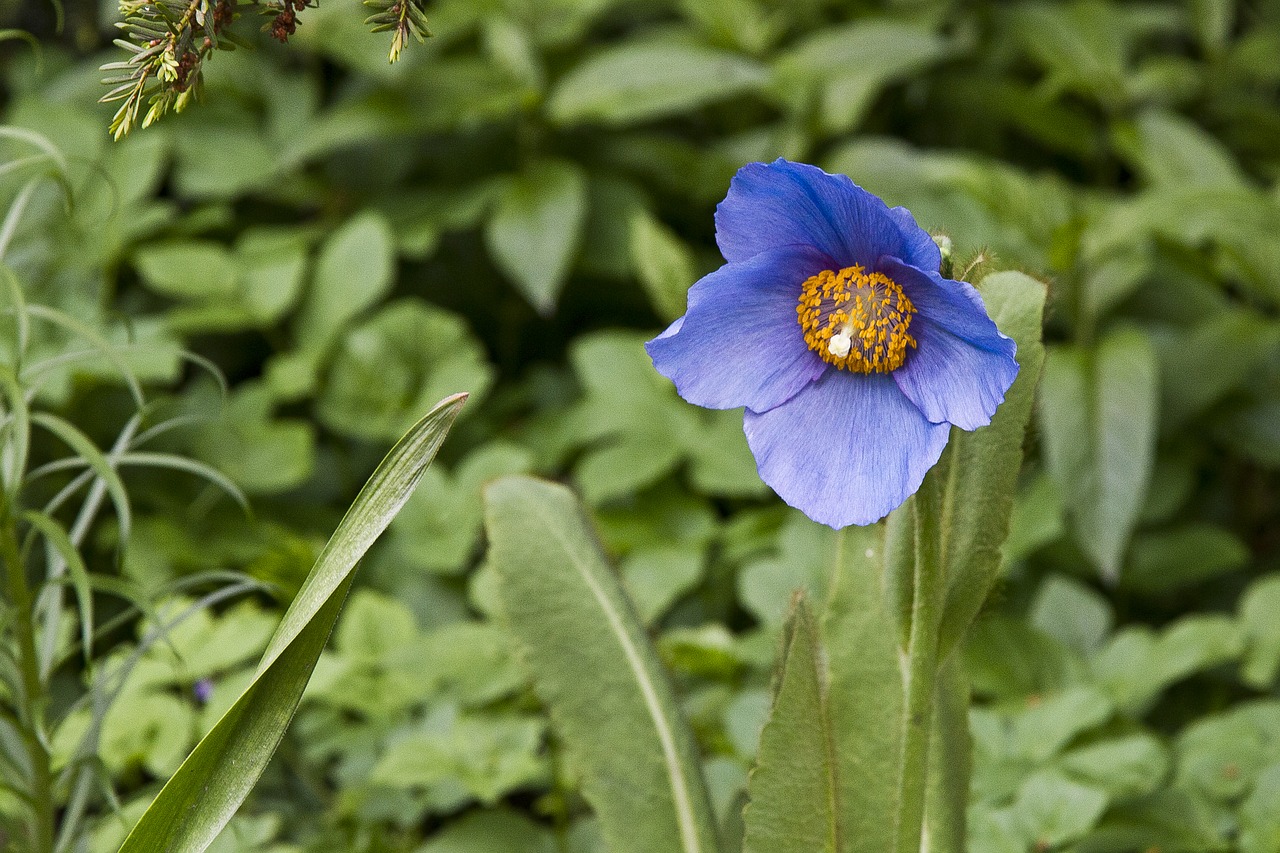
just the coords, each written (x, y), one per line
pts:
(839, 344)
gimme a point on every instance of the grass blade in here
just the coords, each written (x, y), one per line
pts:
(215, 779)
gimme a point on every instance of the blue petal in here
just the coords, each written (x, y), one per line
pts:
(922, 251)
(961, 366)
(740, 343)
(847, 449)
(784, 203)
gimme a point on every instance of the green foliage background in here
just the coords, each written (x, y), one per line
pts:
(511, 210)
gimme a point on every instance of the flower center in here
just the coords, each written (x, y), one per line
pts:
(856, 321)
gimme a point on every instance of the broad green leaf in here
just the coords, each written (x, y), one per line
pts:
(261, 453)
(1127, 766)
(1171, 151)
(1082, 45)
(640, 81)
(1190, 554)
(637, 757)
(1258, 608)
(189, 269)
(655, 578)
(536, 228)
(439, 528)
(846, 67)
(1137, 664)
(1237, 343)
(793, 790)
(1052, 810)
(663, 263)
(354, 271)
(490, 832)
(1072, 613)
(489, 755)
(1220, 755)
(394, 365)
(984, 464)
(803, 561)
(196, 803)
(1098, 410)
(1260, 814)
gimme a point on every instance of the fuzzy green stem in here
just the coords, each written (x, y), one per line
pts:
(921, 667)
(31, 707)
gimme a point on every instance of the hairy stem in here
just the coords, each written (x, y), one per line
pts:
(920, 682)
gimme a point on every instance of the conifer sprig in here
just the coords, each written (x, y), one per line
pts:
(169, 40)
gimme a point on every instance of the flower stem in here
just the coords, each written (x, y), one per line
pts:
(31, 702)
(921, 667)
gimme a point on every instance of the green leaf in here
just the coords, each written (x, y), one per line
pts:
(536, 227)
(1052, 810)
(391, 367)
(488, 755)
(354, 271)
(950, 762)
(793, 789)
(766, 586)
(1072, 613)
(260, 453)
(655, 578)
(663, 262)
(1125, 767)
(1171, 560)
(1137, 664)
(622, 725)
(844, 68)
(984, 464)
(1098, 410)
(640, 81)
(188, 269)
(1169, 150)
(214, 780)
(439, 528)
(1258, 608)
(1260, 814)
(865, 684)
(491, 831)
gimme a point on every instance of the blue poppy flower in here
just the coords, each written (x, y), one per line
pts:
(830, 323)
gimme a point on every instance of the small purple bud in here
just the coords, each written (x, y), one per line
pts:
(203, 690)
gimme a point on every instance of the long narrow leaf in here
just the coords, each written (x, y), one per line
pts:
(96, 460)
(60, 543)
(202, 796)
(985, 463)
(793, 789)
(860, 632)
(595, 668)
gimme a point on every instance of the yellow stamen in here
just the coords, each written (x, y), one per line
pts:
(856, 321)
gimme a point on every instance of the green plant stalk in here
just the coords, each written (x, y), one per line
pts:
(32, 698)
(928, 590)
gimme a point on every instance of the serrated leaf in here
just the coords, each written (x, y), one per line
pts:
(569, 614)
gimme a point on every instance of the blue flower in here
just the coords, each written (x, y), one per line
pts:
(830, 323)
